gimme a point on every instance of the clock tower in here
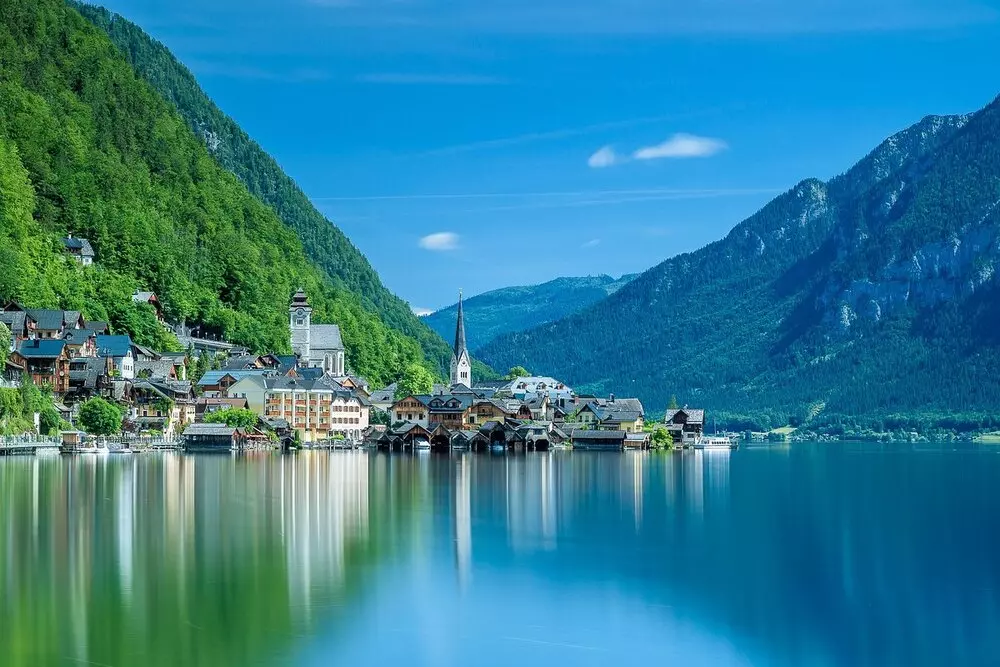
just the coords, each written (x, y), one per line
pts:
(300, 322)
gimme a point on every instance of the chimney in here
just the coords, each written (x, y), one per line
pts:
(612, 398)
(70, 235)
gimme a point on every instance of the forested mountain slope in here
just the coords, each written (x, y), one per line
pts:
(873, 294)
(324, 244)
(88, 147)
(510, 309)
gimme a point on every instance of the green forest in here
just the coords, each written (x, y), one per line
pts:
(88, 147)
(324, 244)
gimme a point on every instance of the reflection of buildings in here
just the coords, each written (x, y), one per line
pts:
(463, 517)
(324, 508)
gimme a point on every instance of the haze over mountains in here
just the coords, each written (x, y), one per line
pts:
(874, 293)
(510, 309)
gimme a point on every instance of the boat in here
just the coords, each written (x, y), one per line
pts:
(714, 442)
(422, 445)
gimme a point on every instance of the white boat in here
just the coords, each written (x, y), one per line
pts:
(422, 445)
(714, 442)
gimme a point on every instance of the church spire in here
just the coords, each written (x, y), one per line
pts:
(460, 329)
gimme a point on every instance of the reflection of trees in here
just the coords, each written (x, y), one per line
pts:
(168, 560)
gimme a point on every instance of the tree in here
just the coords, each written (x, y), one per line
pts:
(99, 417)
(200, 367)
(49, 420)
(517, 372)
(673, 403)
(661, 438)
(416, 380)
(4, 343)
(233, 417)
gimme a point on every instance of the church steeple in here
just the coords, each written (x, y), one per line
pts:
(460, 328)
(461, 363)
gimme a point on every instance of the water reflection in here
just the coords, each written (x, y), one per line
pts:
(846, 555)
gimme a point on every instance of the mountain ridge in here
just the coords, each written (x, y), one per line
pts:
(744, 324)
(520, 307)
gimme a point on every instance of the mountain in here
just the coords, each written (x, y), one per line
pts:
(874, 294)
(88, 147)
(324, 244)
(510, 309)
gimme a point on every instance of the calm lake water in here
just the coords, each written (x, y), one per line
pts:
(812, 555)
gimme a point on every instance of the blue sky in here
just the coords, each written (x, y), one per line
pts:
(478, 143)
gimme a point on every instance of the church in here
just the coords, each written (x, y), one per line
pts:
(316, 345)
(461, 363)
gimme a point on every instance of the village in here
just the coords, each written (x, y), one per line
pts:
(309, 399)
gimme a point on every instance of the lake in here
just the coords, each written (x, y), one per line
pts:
(843, 554)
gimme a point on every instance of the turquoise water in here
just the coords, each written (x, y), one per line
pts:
(811, 555)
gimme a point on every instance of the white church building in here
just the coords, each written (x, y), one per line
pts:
(316, 345)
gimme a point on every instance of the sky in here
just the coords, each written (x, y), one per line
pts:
(476, 144)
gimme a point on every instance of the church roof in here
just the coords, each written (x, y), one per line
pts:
(325, 337)
(299, 299)
(460, 346)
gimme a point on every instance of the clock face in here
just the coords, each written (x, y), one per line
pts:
(300, 312)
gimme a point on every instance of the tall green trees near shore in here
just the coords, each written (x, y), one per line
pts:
(88, 147)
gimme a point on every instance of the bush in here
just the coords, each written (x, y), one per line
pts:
(99, 417)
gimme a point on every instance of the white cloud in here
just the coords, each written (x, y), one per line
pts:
(440, 241)
(604, 157)
(593, 243)
(682, 146)
(421, 312)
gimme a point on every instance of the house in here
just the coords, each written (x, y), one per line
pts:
(487, 410)
(354, 383)
(685, 425)
(450, 410)
(528, 388)
(21, 326)
(317, 409)
(412, 410)
(536, 436)
(613, 403)
(382, 399)
(80, 342)
(620, 420)
(316, 345)
(539, 407)
(10, 374)
(214, 438)
(119, 350)
(50, 323)
(218, 383)
(88, 376)
(599, 440)
(161, 369)
(46, 362)
(640, 440)
(150, 299)
(79, 249)
(162, 405)
(180, 362)
(97, 327)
